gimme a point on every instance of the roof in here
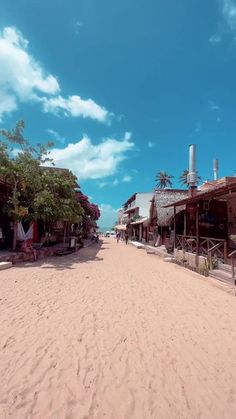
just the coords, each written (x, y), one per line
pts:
(209, 184)
(164, 198)
(140, 221)
(121, 227)
(130, 209)
(217, 189)
(132, 198)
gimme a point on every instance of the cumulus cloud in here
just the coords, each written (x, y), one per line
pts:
(127, 179)
(76, 107)
(214, 106)
(150, 144)
(215, 39)
(56, 136)
(115, 182)
(102, 185)
(22, 79)
(229, 13)
(77, 25)
(93, 161)
(109, 216)
(227, 24)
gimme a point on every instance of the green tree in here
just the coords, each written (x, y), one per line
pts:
(37, 192)
(20, 167)
(183, 179)
(57, 198)
(163, 180)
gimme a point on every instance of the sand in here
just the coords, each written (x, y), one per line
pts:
(115, 333)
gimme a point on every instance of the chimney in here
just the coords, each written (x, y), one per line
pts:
(216, 168)
(192, 175)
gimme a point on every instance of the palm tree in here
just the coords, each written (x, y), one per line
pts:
(163, 180)
(184, 178)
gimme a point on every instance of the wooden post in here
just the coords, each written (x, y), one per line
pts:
(185, 229)
(174, 227)
(185, 223)
(197, 235)
(225, 251)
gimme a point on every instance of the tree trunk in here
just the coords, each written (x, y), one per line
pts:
(14, 236)
(16, 212)
(64, 239)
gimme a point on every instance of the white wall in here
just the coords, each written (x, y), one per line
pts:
(143, 201)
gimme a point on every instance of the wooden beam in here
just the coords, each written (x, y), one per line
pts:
(197, 234)
(185, 223)
(174, 227)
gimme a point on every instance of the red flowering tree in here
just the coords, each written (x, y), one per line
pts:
(91, 213)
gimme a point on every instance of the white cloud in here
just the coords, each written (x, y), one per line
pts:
(76, 107)
(120, 117)
(22, 79)
(213, 106)
(93, 161)
(102, 184)
(150, 144)
(127, 179)
(77, 25)
(215, 39)
(109, 216)
(56, 136)
(228, 21)
(115, 182)
(229, 13)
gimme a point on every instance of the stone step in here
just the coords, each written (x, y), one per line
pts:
(225, 267)
(5, 265)
(222, 275)
(159, 251)
(137, 244)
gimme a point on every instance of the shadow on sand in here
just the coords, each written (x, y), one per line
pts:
(84, 255)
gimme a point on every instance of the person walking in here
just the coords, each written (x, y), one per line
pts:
(118, 237)
(126, 237)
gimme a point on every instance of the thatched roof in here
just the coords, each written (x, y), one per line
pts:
(228, 187)
(142, 220)
(165, 197)
(121, 227)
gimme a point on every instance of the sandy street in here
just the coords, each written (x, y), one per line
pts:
(115, 333)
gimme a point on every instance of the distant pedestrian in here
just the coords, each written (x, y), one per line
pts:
(118, 237)
(126, 237)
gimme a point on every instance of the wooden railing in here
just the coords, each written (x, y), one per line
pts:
(211, 251)
(205, 245)
(232, 256)
(188, 243)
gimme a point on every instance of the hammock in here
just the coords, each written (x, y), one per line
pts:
(22, 235)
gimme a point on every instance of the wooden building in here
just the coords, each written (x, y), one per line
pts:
(209, 220)
(162, 219)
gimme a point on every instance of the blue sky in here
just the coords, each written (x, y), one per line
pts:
(122, 87)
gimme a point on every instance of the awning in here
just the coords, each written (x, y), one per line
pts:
(141, 221)
(121, 227)
(130, 209)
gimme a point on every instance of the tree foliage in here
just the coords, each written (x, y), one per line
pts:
(163, 180)
(183, 179)
(39, 192)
